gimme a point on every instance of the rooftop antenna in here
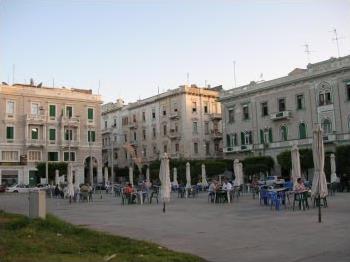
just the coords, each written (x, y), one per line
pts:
(234, 73)
(158, 89)
(336, 39)
(308, 52)
(188, 78)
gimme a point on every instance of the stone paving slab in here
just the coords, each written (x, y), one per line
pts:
(241, 231)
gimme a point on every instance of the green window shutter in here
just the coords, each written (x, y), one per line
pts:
(93, 137)
(35, 133)
(88, 136)
(250, 137)
(261, 136)
(228, 143)
(66, 135)
(90, 113)
(235, 139)
(52, 134)
(9, 132)
(65, 156)
(270, 135)
(69, 111)
(52, 111)
(242, 139)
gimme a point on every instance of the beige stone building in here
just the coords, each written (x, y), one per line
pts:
(183, 122)
(268, 117)
(39, 123)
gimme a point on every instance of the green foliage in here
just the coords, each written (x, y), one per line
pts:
(343, 160)
(284, 159)
(255, 165)
(53, 166)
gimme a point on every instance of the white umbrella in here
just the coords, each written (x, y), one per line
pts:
(77, 180)
(238, 170)
(175, 183)
(57, 177)
(319, 183)
(164, 177)
(296, 173)
(131, 176)
(70, 188)
(333, 169)
(204, 177)
(106, 175)
(147, 175)
(188, 175)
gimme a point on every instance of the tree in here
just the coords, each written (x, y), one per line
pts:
(53, 166)
(258, 164)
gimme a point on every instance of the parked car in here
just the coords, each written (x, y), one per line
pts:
(2, 188)
(18, 189)
(271, 180)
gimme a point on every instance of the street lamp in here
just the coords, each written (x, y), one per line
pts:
(42, 112)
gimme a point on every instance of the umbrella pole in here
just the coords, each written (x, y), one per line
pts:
(164, 207)
(319, 208)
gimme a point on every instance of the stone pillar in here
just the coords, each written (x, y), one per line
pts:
(99, 175)
(37, 204)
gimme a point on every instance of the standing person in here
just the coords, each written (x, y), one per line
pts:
(213, 187)
(90, 192)
(129, 192)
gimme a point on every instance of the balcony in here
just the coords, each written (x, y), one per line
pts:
(236, 149)
(215, 116)
(107, 130)
(35, 142)
(175, 155)
(215, 134)
(72, 143)
(174, 135)
(330, 138)
(280, 115)
(35, 119)
(133, 142)
(174, 115)
(133, 125)
(73, 121)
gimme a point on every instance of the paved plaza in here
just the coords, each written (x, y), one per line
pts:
(240, 231)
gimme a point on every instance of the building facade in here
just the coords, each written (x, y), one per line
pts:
(267, 118)
(55, 124)
(183, 122)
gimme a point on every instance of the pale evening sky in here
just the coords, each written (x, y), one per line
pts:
(134, 46)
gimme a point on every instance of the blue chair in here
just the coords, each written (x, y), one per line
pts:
(289, 185)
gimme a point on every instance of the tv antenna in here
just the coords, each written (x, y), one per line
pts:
(336, 39)
(308, 52)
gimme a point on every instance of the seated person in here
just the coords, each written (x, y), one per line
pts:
(227, 186)
(299, 187)
(128, 191)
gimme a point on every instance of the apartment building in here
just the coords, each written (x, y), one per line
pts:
(56, 124)
(184, 122)
(268, 117)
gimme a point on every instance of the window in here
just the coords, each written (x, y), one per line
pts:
(302, 131)
(90, 114)
(206, 128)
(195, 128)
(9, 155)
(153, 114)
(144, 134)
(264, 109)
(68, 134)
(35, 109)
(66, 156)
(52, 111)
(164, 130)
(106, 124)
(10, 107)
(135, 137)
(207, 148)
(246, 138)
(155, 150)
(300, 102)
(144, 116)
(324, 97)
(231, 140)
(134, 118)
(34, 156)
(144, 151)
(195, 148)
(69, 111)
(194, 107)
(164, 111)
(245, 112)
(216, 147)
(206, 108)
(177, 128)
(125, 138)
(348, 90)
(177, 148)
(231, 115)
(125, 121)
(284, 133)
(154, 133)
(52, 134)
(328, 98)
(35, 133)
(270, 135)
(10, 132)
(214, 107)
(281, 104)
(326, 126)
(165, 148)
(91, 136)
(114, 122)
(52, 156)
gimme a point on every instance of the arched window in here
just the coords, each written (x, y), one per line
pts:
(326, 126)
(284, 133)
(324, 94)
(302, 131)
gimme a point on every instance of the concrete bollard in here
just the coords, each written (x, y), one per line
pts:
(37, 204)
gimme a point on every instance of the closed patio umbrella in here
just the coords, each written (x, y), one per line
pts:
(147, 175)
(164, 177)
(131, 176)
(106, 175)
(333, 169)
(319, 183)
(204, 177)
(238, 169)
(70, 187)
(57, 177)
(175, 183)
(188, 175)
(296, 173)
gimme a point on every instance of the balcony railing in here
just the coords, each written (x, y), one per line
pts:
(215, 116)
(280, 115)
(35, 118)
(235, 149)
(35, 142)
(174, 115)
(216, 134)
(174, 135)
(329, 138)
(72, 143)
(71, 121)
(133, 125)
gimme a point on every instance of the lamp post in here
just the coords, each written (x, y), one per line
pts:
(42, 112)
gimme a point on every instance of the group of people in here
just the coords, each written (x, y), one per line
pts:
(216, 187)
(83, 192)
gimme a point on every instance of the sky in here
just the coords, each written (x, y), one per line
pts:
(129, 48)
